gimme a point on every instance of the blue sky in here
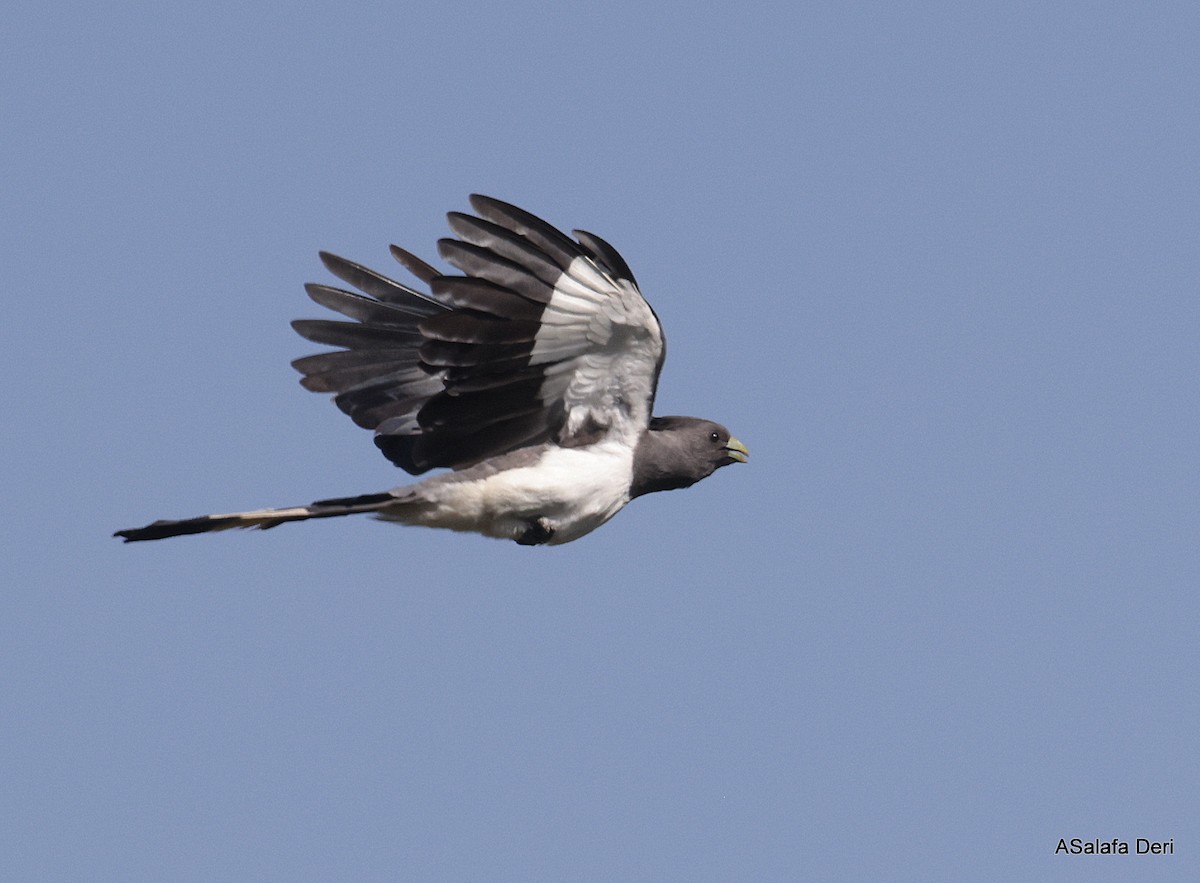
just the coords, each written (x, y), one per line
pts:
(936, 264)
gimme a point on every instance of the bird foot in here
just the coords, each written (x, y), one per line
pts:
(538, 532)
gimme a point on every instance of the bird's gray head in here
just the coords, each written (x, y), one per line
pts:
(677, 452)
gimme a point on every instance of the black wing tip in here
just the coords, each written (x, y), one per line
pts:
(423, 270)
(608, 256)
(303, 327)
(344, 268)
(481, 202)
(314, 289)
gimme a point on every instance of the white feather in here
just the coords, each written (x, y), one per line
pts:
(575, 489)
(613, 342)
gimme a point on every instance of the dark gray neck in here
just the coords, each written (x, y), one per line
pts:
(660, 463)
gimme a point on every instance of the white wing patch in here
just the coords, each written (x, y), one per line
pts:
(543, 338)
(608, 343)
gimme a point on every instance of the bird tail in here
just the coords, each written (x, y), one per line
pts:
(260, 518)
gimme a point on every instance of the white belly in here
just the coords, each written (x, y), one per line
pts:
(575, 489)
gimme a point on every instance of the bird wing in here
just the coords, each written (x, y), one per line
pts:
(542, 338)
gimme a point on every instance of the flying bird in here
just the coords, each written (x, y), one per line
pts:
(531, 376)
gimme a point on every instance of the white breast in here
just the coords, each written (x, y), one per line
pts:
(576, 489)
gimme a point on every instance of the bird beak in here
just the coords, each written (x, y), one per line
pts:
(737, 450)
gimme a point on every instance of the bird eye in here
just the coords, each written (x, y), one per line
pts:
(715, 436)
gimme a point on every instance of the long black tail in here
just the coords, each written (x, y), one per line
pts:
(260, 518)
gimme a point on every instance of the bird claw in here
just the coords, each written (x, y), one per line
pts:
(538, 532)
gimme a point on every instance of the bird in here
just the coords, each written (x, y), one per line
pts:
(530, 375)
